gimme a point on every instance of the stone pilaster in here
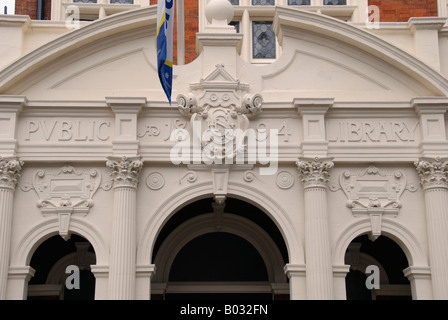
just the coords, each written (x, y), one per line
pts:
(125, 173)
(319, 274)
(9, 173)
(433, 174)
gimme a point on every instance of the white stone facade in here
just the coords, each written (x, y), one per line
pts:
(362, 150)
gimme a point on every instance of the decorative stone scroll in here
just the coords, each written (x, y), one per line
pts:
(373, 192)
(10, 168)
(433, 172)
(65, 192)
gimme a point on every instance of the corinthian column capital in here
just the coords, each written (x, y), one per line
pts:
(433, 172)
(10, 168)
(313, 172)
(125, 171)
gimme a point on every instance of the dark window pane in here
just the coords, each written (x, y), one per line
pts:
(122, 1)
(85, 1)
(235, 2)
(236, 24)
(299, 2)
(263, 2)
(335, 2)
(263, 40)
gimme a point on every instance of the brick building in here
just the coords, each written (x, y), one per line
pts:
(390, 11)
(304, 155)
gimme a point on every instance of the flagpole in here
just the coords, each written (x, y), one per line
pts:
(180, 32)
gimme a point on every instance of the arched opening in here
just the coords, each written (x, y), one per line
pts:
(376, 270)
(50, 262)
(220, 251)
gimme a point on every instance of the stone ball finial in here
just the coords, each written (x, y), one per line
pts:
(219, 12)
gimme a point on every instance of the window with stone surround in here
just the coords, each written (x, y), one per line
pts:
(263, 40)
(251, 16)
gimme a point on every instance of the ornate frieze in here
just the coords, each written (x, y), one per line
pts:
(433, 172)
(10, 168)
(313, 172)
(125, 171)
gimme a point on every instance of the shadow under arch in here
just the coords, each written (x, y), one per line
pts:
(393, 230)
(235, 190)
(231, 223)
(39, 233)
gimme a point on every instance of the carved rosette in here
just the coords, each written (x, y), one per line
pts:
(125, 171)
(313, 172)
(433, 172)
(9, 172)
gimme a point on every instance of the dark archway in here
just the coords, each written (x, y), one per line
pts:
(50, 261)
(390, 259)
(225, 264)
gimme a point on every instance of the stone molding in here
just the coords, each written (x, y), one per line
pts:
(10, 168)
(313, 172)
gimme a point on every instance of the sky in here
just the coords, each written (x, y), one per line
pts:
(9, 4)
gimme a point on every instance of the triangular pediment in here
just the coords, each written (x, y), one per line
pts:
(220, 78)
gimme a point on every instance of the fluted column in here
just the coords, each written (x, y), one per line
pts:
(433, 174)
(123, 247)
(9, 173)
(319, 274)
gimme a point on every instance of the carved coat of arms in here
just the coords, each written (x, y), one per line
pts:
(220, 117)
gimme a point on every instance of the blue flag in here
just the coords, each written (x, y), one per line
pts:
(165, 23)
